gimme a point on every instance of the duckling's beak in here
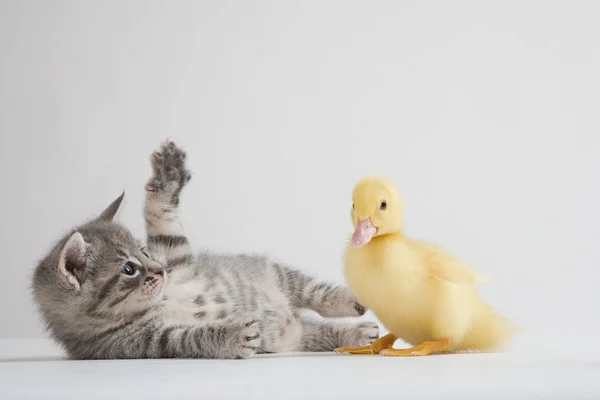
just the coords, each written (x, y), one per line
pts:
(363, 233)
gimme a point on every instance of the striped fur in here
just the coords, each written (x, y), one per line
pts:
(181, 304)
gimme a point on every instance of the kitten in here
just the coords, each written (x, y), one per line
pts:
(103, 296)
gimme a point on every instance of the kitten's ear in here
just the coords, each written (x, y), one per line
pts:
(71, 264)
(111, 210)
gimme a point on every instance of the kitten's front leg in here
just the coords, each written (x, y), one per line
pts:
(231, 340)
(225, 341)
(166, 239)
(329, 336)
(328, 299)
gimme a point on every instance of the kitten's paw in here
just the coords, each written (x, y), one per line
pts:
(340, 303)
(169, 171)
(359, 308)
(245, 340)
(359, 335)
(348, 306)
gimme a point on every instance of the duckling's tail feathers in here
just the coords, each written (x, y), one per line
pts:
(490, 333)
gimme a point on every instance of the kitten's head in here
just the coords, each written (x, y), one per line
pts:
(96, 274)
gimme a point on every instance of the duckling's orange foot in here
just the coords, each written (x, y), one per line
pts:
(354, 350)
(384, 342)
(424, 349)
(404, 352)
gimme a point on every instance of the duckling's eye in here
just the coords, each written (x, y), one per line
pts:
(129, 269)
(383, 205)
(353, 206)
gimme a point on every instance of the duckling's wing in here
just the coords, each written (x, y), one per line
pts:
(446, 267)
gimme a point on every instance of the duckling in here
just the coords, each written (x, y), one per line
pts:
(420, 293)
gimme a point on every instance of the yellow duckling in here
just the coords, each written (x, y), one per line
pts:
(420, 293)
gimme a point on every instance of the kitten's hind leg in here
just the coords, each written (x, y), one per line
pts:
(166, 239)
(319, 336)
(327, 299)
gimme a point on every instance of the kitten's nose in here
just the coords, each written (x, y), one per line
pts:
(156, 268)
(157, 271)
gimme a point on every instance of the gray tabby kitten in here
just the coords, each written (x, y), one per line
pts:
(104, 296)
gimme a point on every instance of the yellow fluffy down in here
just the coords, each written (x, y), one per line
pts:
(418, 291)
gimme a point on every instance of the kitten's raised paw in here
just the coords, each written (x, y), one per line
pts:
(169, 171)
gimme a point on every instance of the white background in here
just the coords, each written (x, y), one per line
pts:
(484, 113)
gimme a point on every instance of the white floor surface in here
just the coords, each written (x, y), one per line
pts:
(34, 369)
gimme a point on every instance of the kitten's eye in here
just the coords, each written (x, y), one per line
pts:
(129, 269)
(383, 205)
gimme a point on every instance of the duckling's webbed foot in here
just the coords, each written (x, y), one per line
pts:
(354, 350)
(424, 349)
(384, 342)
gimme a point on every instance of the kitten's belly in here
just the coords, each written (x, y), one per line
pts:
(286, 337)
(191, 302)
(282, 330)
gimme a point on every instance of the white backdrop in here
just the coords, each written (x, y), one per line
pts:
(484, 113)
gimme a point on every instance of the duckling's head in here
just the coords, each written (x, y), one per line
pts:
(376, 210)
